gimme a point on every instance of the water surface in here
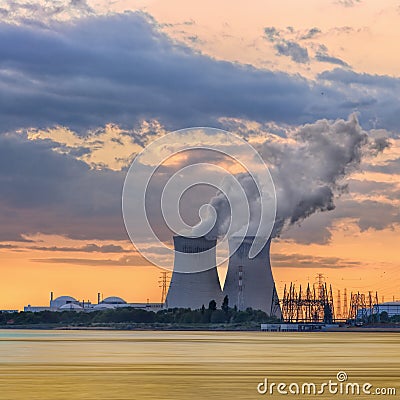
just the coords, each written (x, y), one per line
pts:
(69, 365)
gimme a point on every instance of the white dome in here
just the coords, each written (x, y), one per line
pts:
(60, 301)
(103, 306)
(114, 300)
(71, 306)
(64, 298)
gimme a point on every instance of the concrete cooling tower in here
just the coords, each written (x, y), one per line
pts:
(249, 282)
(190, 289)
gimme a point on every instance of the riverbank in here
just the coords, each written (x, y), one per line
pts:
(246, 327)
(364, 329)
(250, 327)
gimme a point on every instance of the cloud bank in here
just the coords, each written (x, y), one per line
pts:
(121, 69)
(100, 78)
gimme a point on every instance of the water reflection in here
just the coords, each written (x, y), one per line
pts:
(99, 365)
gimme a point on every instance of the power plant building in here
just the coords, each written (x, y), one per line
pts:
(194, 281)
(69, 303)
(249, 281)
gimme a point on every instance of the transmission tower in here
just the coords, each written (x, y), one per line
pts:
(345, 309)
(274, 303)
(338, 306)
(311, 305)
(163, 285)
(363, 306)
(240, 299)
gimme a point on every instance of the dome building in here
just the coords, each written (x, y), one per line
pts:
(114, 300)
(61, 301)
(71, 307)
(69, 303)
(103, 306)
(110, 303)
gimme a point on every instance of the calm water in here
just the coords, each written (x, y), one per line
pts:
(99, 365)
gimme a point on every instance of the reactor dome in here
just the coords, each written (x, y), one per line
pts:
(71, 306)
(62, 300)
(113, 300)
(104, 306)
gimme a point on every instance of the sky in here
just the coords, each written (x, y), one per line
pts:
(86, 85)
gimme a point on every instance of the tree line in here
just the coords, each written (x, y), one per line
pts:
(206, 315)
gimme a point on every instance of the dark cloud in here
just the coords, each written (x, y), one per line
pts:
(89, 248)
(354, 205)
(308, 261)
(373, 95)
(128, 261)
(52, 193)
(278, 261)
(272, 33)
(347, 77)
(369, 187)
(39, 12)
(286, 47)
(311, 33)
(298, 53)
(120, 68)
(365, 214)
(293, 50)
(321, 57)
(7, 246)
(369, 214)
(387, 167)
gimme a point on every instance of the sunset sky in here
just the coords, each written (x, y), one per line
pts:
(86, 85)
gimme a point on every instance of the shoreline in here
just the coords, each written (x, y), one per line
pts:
(187, 328)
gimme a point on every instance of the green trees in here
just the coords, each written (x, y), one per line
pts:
(225, 304)
(210, 315)
(384, 316)
(212, 305)
(218, 317)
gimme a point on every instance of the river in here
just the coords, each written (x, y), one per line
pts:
(110, 365)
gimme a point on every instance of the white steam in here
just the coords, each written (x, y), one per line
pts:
(308, 168)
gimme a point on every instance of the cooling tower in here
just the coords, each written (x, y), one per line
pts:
(188, 288)
(249, 282)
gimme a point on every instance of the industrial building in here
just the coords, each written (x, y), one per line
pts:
(297, 327)
(194, 280)
(249, 281)
(68, 303)
(391, 307)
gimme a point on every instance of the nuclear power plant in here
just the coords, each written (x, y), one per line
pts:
(249, 281)
(188, 288)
